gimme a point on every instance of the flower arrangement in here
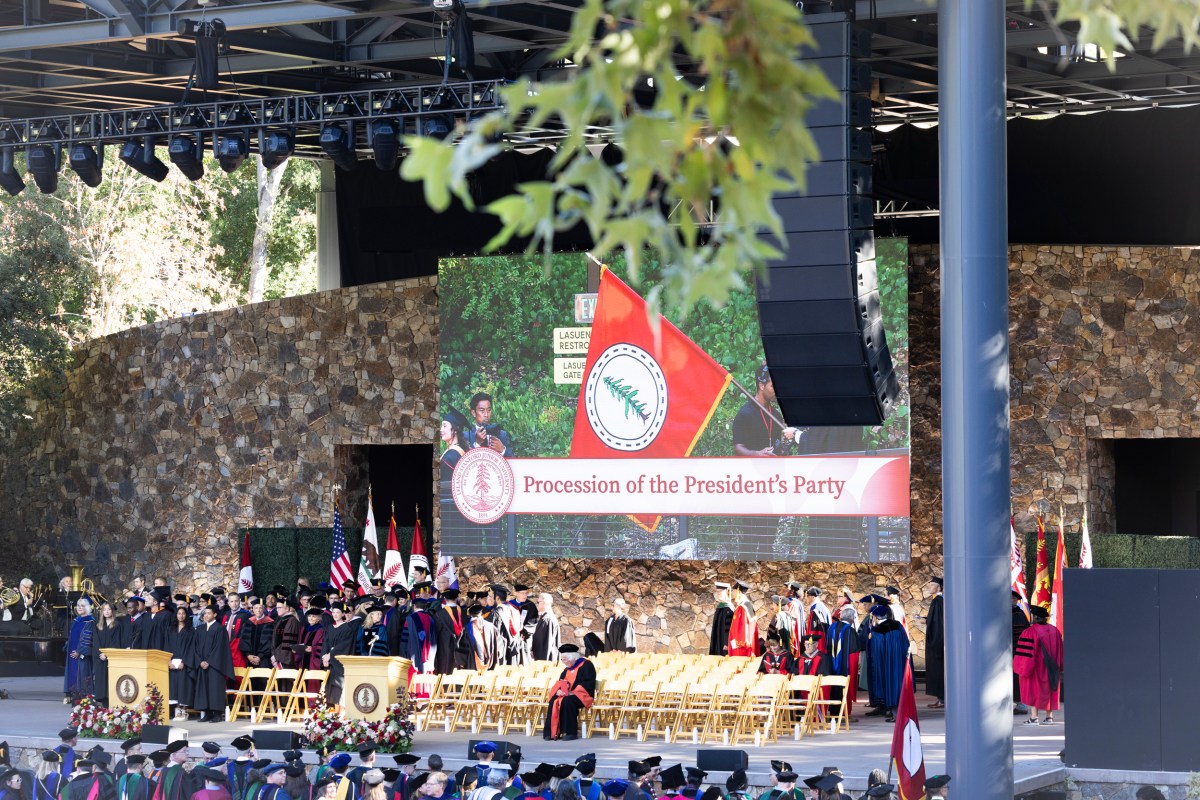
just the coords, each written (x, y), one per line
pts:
(324, 725)
(95, 721)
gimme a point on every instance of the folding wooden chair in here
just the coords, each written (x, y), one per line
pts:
(474, 694)
(444, 699)
(497, 708)
(825, 709)
(305, 694)
(231, 692)
(759, 708)
(722, 718)
(609, 704)
(663, 717)
(246, 699)
(792, 718)
(638, 703)
(694, 711)
(529, 708)
(275, 697)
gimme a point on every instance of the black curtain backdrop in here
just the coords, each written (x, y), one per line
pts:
(1115, 177)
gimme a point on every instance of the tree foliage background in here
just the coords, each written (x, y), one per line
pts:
(82, 263)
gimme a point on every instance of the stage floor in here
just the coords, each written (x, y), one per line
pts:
(34, 713)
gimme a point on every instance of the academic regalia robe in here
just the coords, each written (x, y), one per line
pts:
(816, 664)
(66, 760)
(743, 631)
(373, 641)
(782, 664)
(864, 663)
(309, 650)
(888, 647)
(340, 640)
(212, 794)
(421, 641)
(1020, 621)
(484, 643)
(233, 622)
(817, 618)
(589, 789)
(508, 625)
(450, 621)
(211, 645)
(284, 640)
(47, 788)
(272, 792)
(1038, 660)
(619, 635)
(77, 681)
(935, 649)
(139, 631)
(156, 630)
(257, 636)
(546, 638)
(182, 681)
(395, 620)
(113, 636)
(237, 773)
(842, 645)
(90, 787)
(529, 619)
(785, 626)
(134, 786)
(718, 639)
(575, 690)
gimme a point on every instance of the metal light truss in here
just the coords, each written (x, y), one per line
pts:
(303, 114)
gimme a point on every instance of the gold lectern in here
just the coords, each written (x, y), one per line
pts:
(131, 671)
(373, 683)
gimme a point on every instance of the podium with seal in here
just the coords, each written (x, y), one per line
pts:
(130, 672)
(373, 684)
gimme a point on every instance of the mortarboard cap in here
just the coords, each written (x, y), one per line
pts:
(813, 781)
(218, 591)
(534, 778)
(374, 777)
(271, 769)
(100, 757)
(260, 764)
(131, 742)
(450, 594)
(938, 580)
(562, 771)
(638, 768)
(67, 734)
(318, 601)
(293, 755)
(882, 790)
(205, 596)
(672, 777)
(212, 748)
(780, 766)
(242, 743)
(712, 793)
(742, 585)
(881, 611)
(568, 648)
(499, 590)
(615, 788)
(377, 581)
(653, 761)
(422, 584)
(586, 763)
(340, 761)
(937, 781)
(181, 598)
(520, 587)
(813, 591)
(7, 775)
(455, 418)
(159, 757)
(721, 585)
(50, 756)
(466, 775)
(787, 776)
(294, 770)
(279, 590)
(176, 746)
(485, 747)
(736, 780)
(874, 599)
(893, 590)
(1039, 612)
(350, 584)
(408, 759)
(815, 638)
(209, 774)
(135, 760)
(321, 784)
(829, 782)
(795, 586)
(695, 774)
(366, 750)
(390, 774)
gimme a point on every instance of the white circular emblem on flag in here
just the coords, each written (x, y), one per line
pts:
(912, 747)
(626, 398)
(482, 486)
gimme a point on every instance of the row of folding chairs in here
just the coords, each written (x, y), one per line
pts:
(287, 695)
(729, 709)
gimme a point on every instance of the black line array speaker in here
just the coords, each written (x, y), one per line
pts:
(275, 739)
(722, 760)
(818, 304)
(159, 734)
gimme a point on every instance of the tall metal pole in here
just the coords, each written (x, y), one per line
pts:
(975, 458)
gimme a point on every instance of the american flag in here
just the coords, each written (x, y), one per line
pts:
(339, 562)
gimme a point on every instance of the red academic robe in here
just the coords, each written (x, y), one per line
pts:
(743, 632)
(782, 664)
(1038, 644)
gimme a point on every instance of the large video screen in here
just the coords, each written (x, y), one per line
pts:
(575, 425)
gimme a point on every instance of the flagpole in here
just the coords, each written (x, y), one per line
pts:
(754, 399)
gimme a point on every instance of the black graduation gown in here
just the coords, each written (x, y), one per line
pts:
(618, 634)
(81, 787)
(546, 638)
(255, 640)
(888, 647)
(114, 636)
(210, 644)
(568, 713)
(935, 649)
(157, 629)
(182, 681)
(139, 631)
(340, 640)
(718, 640)
(445, 660)
(396, 621)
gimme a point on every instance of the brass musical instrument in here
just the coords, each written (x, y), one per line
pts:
(76, 576)
(9, 597)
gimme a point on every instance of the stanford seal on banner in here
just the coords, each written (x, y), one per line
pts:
(648, 391)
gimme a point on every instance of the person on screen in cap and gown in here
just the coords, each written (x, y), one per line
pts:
(586, 784)
(574, 690)
(777, 660)
(528, 611)
(888, 646)
(215, 785)
(483, 432)
(743, 631)
(936, 787)
(450, 620)
(1038, 659)
(212, 664)
(619, 635)
(483, 640)
(372, 636)
(843, 648)
(546, 636)
(817, 617)
(784, 627)
(454, 441)
(935, 645)
(718, 638)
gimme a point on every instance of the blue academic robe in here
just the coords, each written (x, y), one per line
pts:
(889, 655)
(78, 677)
(66, 761)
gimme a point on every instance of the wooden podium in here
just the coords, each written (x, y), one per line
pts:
(130, 672)
(373, 683)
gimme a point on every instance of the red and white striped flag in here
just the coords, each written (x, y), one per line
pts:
(340, 570)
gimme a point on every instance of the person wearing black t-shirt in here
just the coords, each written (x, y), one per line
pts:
(756, 434)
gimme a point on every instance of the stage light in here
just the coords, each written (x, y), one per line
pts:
(338, 143)
(9, 179)
(88, 162)
(44, 161)
(232, 149)
(437, 126)
(140, 156)
(385, 142)
(187, 154)
(275, 147)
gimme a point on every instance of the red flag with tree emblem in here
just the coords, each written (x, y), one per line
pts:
(648, 390)
(1041, 581)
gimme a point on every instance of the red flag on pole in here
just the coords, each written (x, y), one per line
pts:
(908, 760)
(393, 561)
(1041, 580)
(648, 390)
(417, 557)
(246, 573)
(1060, 566)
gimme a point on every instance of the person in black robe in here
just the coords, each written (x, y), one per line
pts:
(618, 630)
(395, 618)
(546, 634)
(257, 634)
(718, 640)
(84, 783)
(373, 635)
(529, 614)
(213, 665)
(161, 620)
(108, 632)
(575, 690)
(935, 647)
(181, 674)
(138, 621)
(340, 640)
(450, 621)
(286, 635)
